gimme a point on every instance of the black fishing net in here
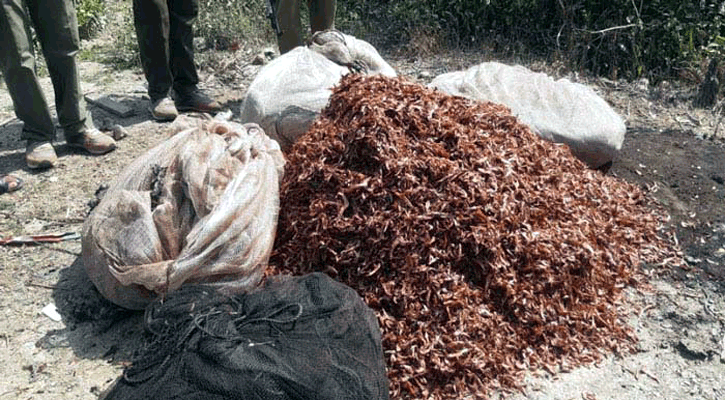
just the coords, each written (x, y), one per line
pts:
(306, 337)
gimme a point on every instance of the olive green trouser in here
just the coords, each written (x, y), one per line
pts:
(55, 24)
(165, 33)
(322, 16)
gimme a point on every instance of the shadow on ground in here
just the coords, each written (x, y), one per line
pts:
(95, 327)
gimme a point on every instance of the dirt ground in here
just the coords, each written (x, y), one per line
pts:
(674, 152)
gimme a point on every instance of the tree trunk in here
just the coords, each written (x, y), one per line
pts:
(707, 93)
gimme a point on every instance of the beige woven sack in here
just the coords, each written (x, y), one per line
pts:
(200, 207)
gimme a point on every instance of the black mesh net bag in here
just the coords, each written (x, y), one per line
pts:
(306, 337)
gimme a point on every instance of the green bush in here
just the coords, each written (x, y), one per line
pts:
(89, 14)
(124, 53)
(655, 38)
(225, 24)
(618, 38)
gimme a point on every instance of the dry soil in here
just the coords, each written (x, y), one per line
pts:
(676, 153)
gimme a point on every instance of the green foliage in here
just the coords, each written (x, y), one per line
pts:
(225, 24)
(618, 38)
(124, 53)
(89, 14)
(121, 51)
(656, 38)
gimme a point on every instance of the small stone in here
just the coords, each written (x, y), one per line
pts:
(54, 339)
(259, 59)
(643, 84)
(689, 259)
(264, 57)
(118, 132)
(199, 44)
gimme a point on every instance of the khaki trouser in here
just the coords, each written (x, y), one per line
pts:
(57, 30)
(322, 16)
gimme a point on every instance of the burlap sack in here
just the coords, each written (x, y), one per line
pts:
(200, 207)
(289, 92)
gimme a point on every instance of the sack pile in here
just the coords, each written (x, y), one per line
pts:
(484, 249)
(200, 207)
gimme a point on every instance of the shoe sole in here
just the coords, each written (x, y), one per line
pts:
(196, 109)
(95, 153)
(40, 165)
(163, 119)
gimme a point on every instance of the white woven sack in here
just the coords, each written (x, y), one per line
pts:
(559, 111)
(288, 93)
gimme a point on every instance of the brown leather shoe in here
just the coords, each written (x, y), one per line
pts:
(163, 109)
(196, 100)
(93, 141)
(40, 155)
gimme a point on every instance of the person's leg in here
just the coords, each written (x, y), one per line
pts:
(188, 96)
(322, 14)
(57, 28)
(151, 18)
(18, 68)
(182, 14)
(288, 18)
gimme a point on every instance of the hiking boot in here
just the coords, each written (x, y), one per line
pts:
(40, 155)
(163, 109)
(93, 141)
(196, 100)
